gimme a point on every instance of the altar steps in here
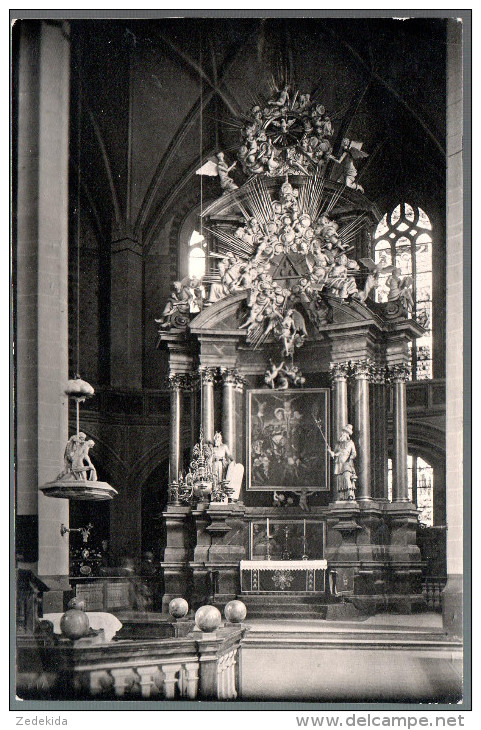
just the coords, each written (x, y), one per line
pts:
(281, 605)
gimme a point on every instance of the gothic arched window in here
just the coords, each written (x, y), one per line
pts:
(403, 239)
(197, 255)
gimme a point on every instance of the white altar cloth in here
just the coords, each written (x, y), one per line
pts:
(283, 564)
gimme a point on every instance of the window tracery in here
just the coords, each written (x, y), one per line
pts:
(403, 240)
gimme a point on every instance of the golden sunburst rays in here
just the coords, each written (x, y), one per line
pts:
(229, 243)
(350, 230)
(310, 196)
(330, 204)
(260, 200)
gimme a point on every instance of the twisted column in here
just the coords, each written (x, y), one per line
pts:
(361, 374)
(207, 378)
(398, 375)
(339, 372)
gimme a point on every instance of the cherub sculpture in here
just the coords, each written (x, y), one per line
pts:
(350, 152)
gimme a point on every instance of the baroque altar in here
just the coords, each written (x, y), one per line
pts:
(281, 360)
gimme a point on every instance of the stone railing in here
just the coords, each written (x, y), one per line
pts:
(198, 666)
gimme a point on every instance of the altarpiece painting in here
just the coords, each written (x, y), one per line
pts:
(286, 449)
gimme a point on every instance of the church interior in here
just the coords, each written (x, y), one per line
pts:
(238, 320)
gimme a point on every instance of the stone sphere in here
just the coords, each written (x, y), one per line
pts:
(178, 607)
(235, 611)
(208, 618)
(78, 603)
(74, 624)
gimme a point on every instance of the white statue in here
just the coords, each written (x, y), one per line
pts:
(344, 454)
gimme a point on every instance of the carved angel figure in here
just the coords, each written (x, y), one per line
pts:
(292, 330)
(350, 152)
(77, 462)
(372, 281)
(400, 288)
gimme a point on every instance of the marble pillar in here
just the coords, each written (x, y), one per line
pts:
(339, 373)
(177, 384)
(229, 410)
(207, 379)
(361, 374)
(398, 375)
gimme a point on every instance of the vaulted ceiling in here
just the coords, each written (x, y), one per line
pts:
(150, 97)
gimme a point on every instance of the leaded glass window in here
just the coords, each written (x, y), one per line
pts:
(403, 239)
(420, 487)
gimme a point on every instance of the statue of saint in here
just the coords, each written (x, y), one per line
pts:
(344, 454)
(221, 457)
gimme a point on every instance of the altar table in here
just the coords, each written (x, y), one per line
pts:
(274, 576)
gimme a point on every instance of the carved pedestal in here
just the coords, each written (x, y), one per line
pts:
(176, 554)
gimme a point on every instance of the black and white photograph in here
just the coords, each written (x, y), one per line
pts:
(239, 258)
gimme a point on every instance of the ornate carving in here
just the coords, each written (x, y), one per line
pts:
(208, 375)
(282, 376)
(399, 372)
(185, 301)
(350, 152)
(179, 381)
(233, 377)
(339, 370)
(361, 369)
(378, 374)
(77, 462)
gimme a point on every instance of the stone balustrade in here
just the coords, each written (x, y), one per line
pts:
(197, 666)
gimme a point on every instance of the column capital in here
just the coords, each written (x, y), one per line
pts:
(399, 372)
(378, 374)
(231, 376)
(207, 375)
(179, 381)
(361, 369)
(339, 370)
